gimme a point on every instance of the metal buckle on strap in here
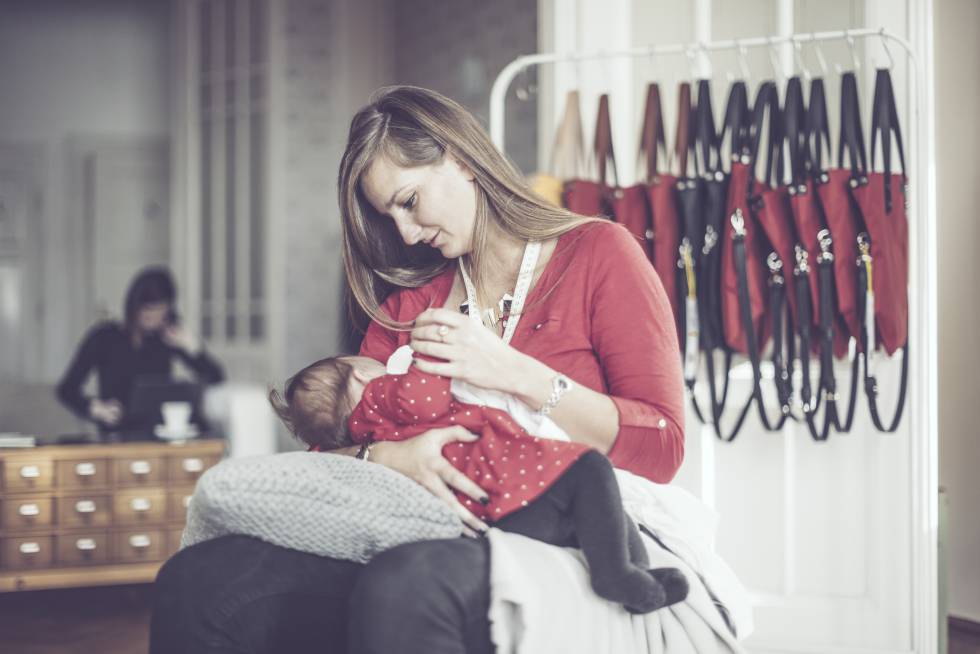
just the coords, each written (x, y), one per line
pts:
(775, 265)
(738, 223)
(825, 241)
(710, 238)
(802, 265)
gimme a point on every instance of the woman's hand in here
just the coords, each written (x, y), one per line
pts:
(471, 353)
(177, 337)
(420, 459)
(107, 412)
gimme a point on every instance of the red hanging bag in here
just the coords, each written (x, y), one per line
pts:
(882, 198)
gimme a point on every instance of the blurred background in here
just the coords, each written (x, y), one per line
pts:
(205, 135)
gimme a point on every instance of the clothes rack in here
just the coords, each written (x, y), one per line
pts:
(498, 92)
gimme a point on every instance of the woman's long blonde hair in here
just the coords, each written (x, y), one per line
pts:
(412, 126)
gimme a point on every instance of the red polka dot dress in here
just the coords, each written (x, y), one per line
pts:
(512, 466)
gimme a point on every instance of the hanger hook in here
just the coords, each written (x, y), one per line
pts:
(776, 72)
(653, 63)
(798, 55)
(527, 89)
(691, 65)
(854, 57)
(820, 59)
(884, 44)
(742, 64)
(703, 49)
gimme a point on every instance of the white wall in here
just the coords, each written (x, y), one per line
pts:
(957, 85)
(68, 68)
(335, 54)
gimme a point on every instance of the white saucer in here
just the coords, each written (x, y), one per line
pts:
(190, 431)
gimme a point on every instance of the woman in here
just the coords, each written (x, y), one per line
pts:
(423, 190)
(145, 344)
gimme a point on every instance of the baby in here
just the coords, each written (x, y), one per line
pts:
(559, 492)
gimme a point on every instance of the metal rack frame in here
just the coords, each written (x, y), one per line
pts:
(501, 84)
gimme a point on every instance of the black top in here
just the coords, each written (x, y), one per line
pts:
(109, 350)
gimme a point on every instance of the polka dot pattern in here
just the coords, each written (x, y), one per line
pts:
(499, 461)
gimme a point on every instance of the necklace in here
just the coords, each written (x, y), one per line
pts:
(510, 305)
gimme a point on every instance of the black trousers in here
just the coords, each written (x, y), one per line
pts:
(238, 594)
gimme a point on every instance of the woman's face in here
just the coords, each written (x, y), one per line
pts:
(152, 317)
(433, 204)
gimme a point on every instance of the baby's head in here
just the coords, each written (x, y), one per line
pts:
(319, 399)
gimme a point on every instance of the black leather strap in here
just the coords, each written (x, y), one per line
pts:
(852, 136)
(745, 309)
(818, 127)
(795, 132)
(870, 382)
(735, 124)
(884, 121)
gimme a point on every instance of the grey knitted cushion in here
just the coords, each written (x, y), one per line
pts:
(324, 504)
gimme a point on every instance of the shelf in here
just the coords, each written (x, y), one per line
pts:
(102, 575)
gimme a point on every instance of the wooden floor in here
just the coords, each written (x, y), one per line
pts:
(964, 639)
(107, 620)
(116, 619)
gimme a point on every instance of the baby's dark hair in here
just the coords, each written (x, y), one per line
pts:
(315, 406)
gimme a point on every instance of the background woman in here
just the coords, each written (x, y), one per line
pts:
(145, 344)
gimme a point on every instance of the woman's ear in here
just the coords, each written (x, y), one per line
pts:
(467, 172)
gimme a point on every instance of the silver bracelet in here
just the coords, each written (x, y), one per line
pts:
(559, 386)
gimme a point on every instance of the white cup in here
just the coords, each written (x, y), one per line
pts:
(176, 416)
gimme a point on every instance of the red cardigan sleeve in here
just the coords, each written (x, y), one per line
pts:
(634, 337)
(379, 342)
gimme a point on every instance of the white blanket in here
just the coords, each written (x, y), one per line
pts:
(541, 601)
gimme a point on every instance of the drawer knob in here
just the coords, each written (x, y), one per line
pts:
(85, 506)
(30, 472)
(29, 510)
(30, 548)
(86, 469)
(193, 465)
(140, 467)
(85, 544)
(140, 504)
(140, 541)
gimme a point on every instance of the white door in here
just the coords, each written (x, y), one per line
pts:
(20, 263)
(836, 540)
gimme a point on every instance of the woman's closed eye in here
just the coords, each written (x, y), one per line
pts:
(409, 204)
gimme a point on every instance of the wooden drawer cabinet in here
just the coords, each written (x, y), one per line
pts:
(27, 475)
(27, 552)
(26, 513)
(83, 473)
(140, 471)
(83, 548)
(177, 502)
(140, 545)
(187, 469)
(139, 506)
(93, 514)
(92, 510)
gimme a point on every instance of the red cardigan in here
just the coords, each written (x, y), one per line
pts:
(598, 314)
